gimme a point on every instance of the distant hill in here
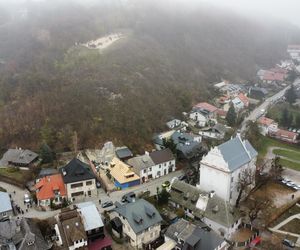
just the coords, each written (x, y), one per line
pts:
(50, 88)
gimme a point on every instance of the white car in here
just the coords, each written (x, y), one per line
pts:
(27, 198)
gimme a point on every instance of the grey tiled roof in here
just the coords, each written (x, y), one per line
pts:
(139, 211)
(18, 156)
(139, 163)
(161, 156)
(237, 152)
(226, 214)
(123, 152)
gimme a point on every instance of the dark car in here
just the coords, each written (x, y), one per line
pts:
(107, 204)
(128, 197)
(182, 177)
(288, 243)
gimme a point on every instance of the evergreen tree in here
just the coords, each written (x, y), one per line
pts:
(284, 120)
(297, 121)
(290, 95)
(46, 154)
(231, 116)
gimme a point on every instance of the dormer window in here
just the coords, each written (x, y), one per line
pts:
(30, 243)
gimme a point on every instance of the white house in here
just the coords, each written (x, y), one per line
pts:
(5, 206)
(221, 168)
(267, 125)
(294, 51)
(153, 165)
(173, 123)
(141, 222)
(199, 117)
(237, 104)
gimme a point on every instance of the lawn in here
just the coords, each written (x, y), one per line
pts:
(292, 211)
(293, 226)
(268, 142)
(290, 164)
(18, 175)
(293, 155)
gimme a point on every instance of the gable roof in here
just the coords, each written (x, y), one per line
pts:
(122, 172)
(5, 204)
(76, 171)
(48, 185)
(72, 226)
(18, 156)
(123, 152)
(161, 156)
(237, 152)
(286, 134)
(206, 106)
(47, 171)
(243, 98)
(265, 121)
(90, 215)
(188, 196)
(139, 163)
(140, 215)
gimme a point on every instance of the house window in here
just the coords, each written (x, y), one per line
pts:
(88, 183)
(231, 178)
(76, 185)
(165, 164)
(150, 169)
(145, 171)
(230, 195)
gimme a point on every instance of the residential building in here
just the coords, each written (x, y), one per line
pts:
(69, 230)
(21, 234)
(218, 132)
(46, 172)
(285, 135)
(5, 206)
(237, 104)
(244, 99)
(267, 125)
(141, 222)
(122, 174)
(186, 235)
(214, 211)
(200, 116)
(175, 123)
(188, 146)
(206, 107)
(222, 167)
(92, 222)
(153, 165)
(50, 188)
(294, 51)
(231, 90)
(19, 158)
(79, 180)
(258, 93)
(123, 153)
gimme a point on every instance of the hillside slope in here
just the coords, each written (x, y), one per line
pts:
(50, 88)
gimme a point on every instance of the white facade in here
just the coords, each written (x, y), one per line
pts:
(78, 190)
(158, 170)
(137, 240)
(199, 118)
(216, 174)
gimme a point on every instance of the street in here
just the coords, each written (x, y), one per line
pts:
(17, 195)
(257, 112)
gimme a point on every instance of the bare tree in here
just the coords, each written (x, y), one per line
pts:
(257, 205)
(276, 169)
(246, 178)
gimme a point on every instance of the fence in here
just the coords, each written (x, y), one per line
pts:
(253, 236)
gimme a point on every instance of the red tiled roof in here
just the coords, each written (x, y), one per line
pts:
(206, 106)
(279, 70)
(286, 134)
(294, 46)
(48, 185)
(273, 76)
(244, 99)
(221, 112)
(100, 243)
(265, 121)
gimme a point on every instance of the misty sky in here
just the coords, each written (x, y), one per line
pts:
(280, 9)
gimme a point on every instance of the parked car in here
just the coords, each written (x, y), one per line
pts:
(255, 242)
(128, 197)
(27, 198)
(107, 204)
(182, 177)
(288, 243)
(296, 187)
(166, 184)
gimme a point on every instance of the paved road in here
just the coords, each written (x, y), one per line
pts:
(18, 196)
(257, 112)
